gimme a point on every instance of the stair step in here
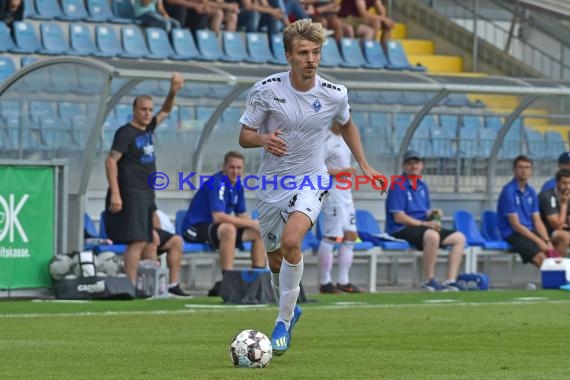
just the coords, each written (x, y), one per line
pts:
(438, 63)
(412, 46)
(400, 31)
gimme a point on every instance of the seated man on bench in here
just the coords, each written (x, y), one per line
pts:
(209, 217)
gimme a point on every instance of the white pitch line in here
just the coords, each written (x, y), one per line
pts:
(196, 308)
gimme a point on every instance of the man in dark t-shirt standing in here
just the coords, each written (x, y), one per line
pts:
(555, 213)
(130, 201)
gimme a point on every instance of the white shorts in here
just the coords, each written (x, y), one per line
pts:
(338, 217)
(273, 216)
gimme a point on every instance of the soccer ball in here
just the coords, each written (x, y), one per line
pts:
(59, 266)
(250, 349)
(109, 263)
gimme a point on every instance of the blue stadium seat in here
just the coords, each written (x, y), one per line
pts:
(278, 50)
(63, 79)
(258, 48)
(47, 10)
(469, 143)
(352, 53)
(472, 122)
(455, 100)
(29, 9)
(398, 59)
(330, 55)
(53, 40)
(487, 138)
(449, 121)
(208, 45)
(414, 98)
(391, 97)
(536, 144)
(56, 135)
(7, 67)
(493, 122)
(108, 43)
(99, 11)
(233, 47)
(159, 45)
(188, 247)
(25, 38)
(402, 120)
(117, 248)
(184, 46)
(134, 43)
(73, 10)
(359, 246)
(369, 230)
(374, 54)
(90, 230)
(512, 143)
(364, 96)
(555, 143)
(490, 226)
(6, 42)
(443, 142)
(422, 143)
(81, 42)
(41, 109)
(67, 110)
(464, 222)
(123, 11)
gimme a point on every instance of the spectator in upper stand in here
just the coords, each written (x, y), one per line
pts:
(365, 23)
(11, 10)
(273, 15)
(196, 14)
(555, 213)
(563, 163)
(152, 13)
(518, 216)
(326, 12)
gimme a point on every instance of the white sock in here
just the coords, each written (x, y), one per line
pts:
(172, 285)
(325, 254)
(275, 285)
(289, 280)
(345, 255)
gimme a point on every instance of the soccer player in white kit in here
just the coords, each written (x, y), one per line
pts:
(288, 114)
(339, 219)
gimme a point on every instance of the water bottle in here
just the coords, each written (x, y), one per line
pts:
(162, 284)
(531, 286)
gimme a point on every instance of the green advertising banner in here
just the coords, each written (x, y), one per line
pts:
(27, 224)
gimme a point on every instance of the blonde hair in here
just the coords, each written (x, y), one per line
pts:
(303, 29)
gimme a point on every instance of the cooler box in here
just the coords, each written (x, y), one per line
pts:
(555, 272)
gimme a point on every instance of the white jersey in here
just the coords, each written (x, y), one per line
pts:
(304, 119)
(338, 156)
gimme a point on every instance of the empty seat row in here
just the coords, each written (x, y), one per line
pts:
(115, 11)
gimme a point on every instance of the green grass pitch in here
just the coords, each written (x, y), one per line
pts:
(469, 335)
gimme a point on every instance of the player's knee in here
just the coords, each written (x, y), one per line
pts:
(431, 237)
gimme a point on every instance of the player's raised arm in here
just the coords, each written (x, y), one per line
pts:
(176, 83)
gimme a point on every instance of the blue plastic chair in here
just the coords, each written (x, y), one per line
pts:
(6, 42)
(53, 40)
(99, 11)
(368, 229)
(208, 46)
(67, 110)
(25, 38)
(81, 42)
(374, 55)
(472, 122)
(443, 142)
(117, 248)
(47, 10)
(468, 143)
(352, 53)
(108, 43)
(493, 122)
(555, 143)
(73, 10)
(184, 46)
(90, 230)
(188, 247)
(123, 11)
(330, 55)
(449, 121)
(56, 135)
(359, 246)
(258, 48)
(464, 222)
(398, 59)
(490, 225)
(233, 47)
(278, 50)
(7, 67)
(134, 43)
(487, 138)
(536, 144)
(159, 45)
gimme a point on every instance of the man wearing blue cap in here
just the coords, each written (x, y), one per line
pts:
(409, 216)
(563, 163)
